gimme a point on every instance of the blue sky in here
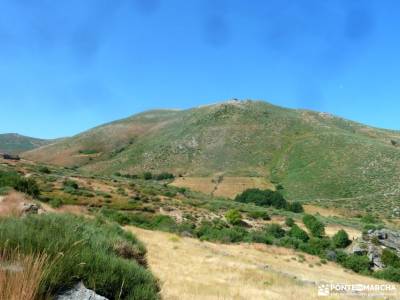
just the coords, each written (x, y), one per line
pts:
(66, 66)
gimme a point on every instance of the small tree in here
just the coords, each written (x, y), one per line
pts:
(275, 230)
(298, 233)
(147, 176)
(316, 227)
(233, 217)
(295, 207)
(278, 201)
(28, 186)
(289, 222)
(341, 239)
(389, 258)
(358, 263)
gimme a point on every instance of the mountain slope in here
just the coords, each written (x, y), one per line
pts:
(14, 143)
(313, 155)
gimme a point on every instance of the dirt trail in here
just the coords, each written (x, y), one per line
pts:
(191, 269)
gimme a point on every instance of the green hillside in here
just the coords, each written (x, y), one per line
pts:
(14, 143)
(313, 155)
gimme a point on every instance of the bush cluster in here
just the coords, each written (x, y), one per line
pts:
(233, 217)
(19, 183)
(268, 198)
(316, 227)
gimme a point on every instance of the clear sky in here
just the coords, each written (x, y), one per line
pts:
(69, 65)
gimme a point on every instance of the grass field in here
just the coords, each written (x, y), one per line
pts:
(245, 271)
(222, 186)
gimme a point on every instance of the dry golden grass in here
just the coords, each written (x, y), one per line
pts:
(229, 186)
(353, 233)
(326, 212)
(199, 184)
(9, 205)
(20, 275)
(191, 269)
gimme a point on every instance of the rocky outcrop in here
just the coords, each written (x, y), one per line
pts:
(28, 208)
(80, 292)
(386, 237)
(359, 247)
(374, 254)
(373, 242)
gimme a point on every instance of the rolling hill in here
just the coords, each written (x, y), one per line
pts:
(14, 143)
(314, 156)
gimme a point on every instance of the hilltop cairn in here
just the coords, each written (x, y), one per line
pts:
(373, 242)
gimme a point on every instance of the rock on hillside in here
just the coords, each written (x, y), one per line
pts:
(80, 292)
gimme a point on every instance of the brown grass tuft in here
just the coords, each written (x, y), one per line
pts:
(129, 251)
(20, 275)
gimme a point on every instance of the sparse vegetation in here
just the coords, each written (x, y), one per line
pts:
(88, 151)
(233, 217)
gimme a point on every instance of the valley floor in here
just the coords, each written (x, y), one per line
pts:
(191, 269)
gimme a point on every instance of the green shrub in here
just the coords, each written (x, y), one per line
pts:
(169, 193)
(216, 231)
(369, 219)
(357, 263)
(259, 214)
(341, 239)
(233, 217)
(9, 179)
(275, 230)
(262, 198)
(289, 242)
(389, 273)
(147, 176)
(164, 176)
(340, 256)
(295, 207)
(121, 191)
(389, 258)
(21, 184)
(71, 184)
(81, 250)
(315, 246)
(261, 237)
(316, 227)
(298, 233)
(289, 222)
(55, 203)
(27, 186)
(44, 169)
(143, 220)
(88, 151)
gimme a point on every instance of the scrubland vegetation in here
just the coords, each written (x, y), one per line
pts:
(112, 262)
(106, 258)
